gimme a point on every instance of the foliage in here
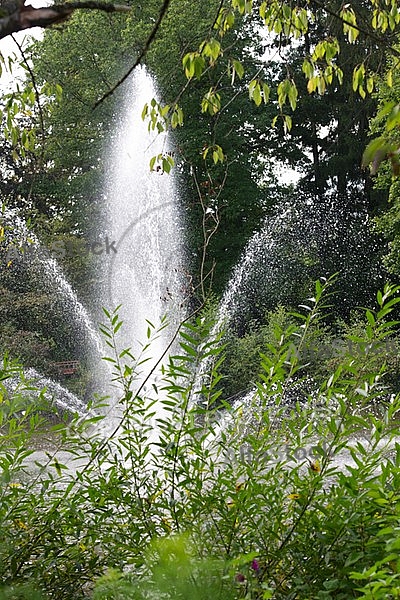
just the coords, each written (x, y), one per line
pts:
(223, 153)
(174, 572)
(241, 366)
(359, 25)
(321, 142)
(327, 342)
(387, 221)
(264, 500)
(79, 58)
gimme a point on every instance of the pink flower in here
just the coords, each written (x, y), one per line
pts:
(240, 577)
(255, 565)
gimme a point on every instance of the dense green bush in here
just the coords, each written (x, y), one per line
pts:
(242, 356)
(321, 352)
(179, 500)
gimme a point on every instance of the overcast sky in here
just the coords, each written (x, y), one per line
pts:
(8, 46)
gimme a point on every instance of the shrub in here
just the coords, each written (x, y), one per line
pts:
(181, 500)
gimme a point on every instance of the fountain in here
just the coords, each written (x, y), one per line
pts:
(302, 241)
(29, 267)
(143, 233)
(142, 216)
(24, 257)
(54, 393)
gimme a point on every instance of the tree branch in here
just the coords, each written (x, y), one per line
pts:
(15, 16)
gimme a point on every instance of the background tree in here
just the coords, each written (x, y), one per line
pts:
(225, 152)
(388, 219)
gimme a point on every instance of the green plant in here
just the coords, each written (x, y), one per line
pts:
(242, 355)
(179, 499)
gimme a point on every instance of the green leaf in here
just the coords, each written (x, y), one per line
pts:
(188, 349)
(376, 151)
(237, 68)
(211, 49)
(266, 92)
(287, 123)
(370, 318)
(393, 118)
(293, 93)
(255, 92)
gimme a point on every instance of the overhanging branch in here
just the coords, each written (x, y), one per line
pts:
(15, 16)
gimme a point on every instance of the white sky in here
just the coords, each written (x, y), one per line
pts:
(8, 47)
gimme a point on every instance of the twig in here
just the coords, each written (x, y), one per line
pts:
(39, 162)
(207, 233)
(217, 15)
(142, 54)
